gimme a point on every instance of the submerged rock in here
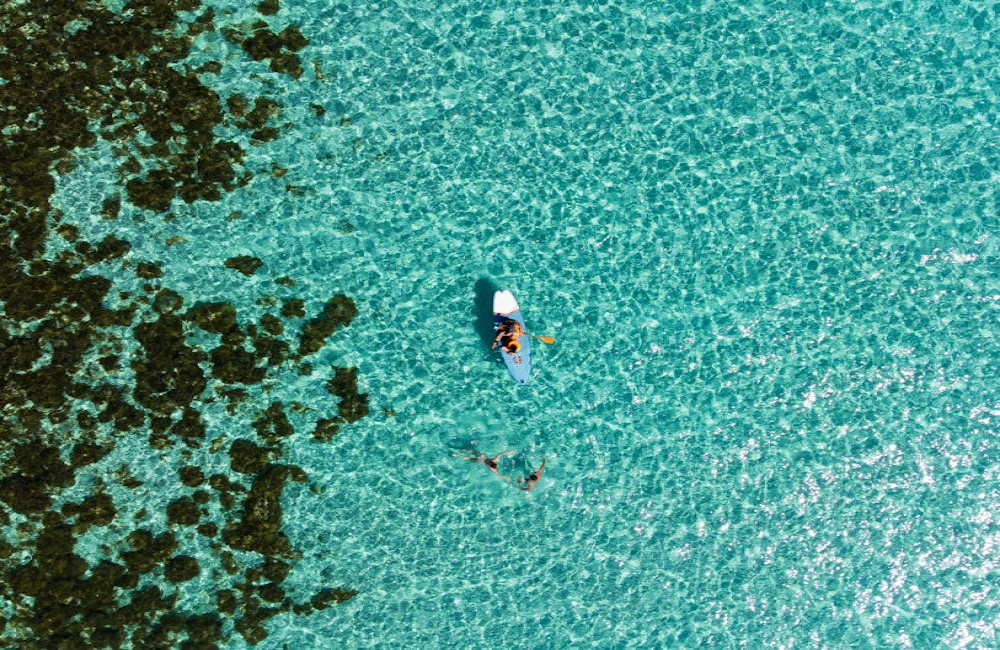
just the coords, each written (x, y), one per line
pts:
(191, 476)
(259, 527)
(218, 317)
(273, 426)
(167, 302)
(344, 384)
(272, 324)
(339, 311)
(247, 457)
(97, 509)
(326, 429)
(234, 365)
(183, 511)
(181, 568)
(148, 271)
(293, 308)
(85, 453)
(169, 375)
(75, 71)
(327, 597)
(262, 44)
(245, 264)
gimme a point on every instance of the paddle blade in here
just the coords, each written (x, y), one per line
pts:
(546, 339)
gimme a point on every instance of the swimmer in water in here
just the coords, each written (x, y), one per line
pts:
(527, 483)
(479, 458)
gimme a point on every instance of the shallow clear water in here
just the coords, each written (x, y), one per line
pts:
(765, 237)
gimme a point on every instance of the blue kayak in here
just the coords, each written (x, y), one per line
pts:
(505, 308)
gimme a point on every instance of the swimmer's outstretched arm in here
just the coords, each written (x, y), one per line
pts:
(529, 483)
(495, 460)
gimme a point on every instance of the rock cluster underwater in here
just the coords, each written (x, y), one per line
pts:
(78, 377)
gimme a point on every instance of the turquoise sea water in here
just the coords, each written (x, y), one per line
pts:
(765, 237)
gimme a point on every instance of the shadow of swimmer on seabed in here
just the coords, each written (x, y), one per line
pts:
(526, 483)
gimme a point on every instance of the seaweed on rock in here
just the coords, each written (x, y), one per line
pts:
(75, 71)
(264, 45)
(353, 404)
(339, 311)
(245, 264)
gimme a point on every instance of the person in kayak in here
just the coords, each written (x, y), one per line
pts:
(507, 336)
(479, 458)
(527, 483)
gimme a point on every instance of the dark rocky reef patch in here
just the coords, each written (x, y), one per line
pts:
(326, 429)
(183, 511)
(328, 597)
(268, 7)
(218, 317)
(293, 308)
(73, 72)
(273, 425)
(233, 365)
(148, 271)
(272, 324)
(245, 264)
(339, 311)
(353, 404)
(247, 457)
(167, 301)
(168, 375)
(191, 476)
(254, 120)
(181, 568)
(262, 44)
(259, 527)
